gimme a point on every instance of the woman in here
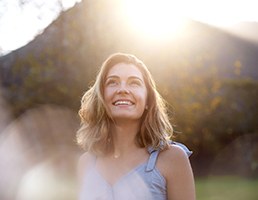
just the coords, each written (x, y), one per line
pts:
(125, 132)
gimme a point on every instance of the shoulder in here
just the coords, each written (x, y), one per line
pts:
(173, 153)
(172, 159)
(174, 165)
(84, 162)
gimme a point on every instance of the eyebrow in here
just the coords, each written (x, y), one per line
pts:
(130, 77)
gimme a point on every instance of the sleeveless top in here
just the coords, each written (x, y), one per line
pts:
(144, 182)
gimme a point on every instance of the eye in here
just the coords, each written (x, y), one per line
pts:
(135, 82)
(111, 82)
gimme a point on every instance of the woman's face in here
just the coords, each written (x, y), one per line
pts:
(125, 92)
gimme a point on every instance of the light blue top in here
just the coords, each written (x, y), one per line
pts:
(144, 182)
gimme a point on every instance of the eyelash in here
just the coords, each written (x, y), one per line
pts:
(114, 82)
(111, 82)
(135, 83)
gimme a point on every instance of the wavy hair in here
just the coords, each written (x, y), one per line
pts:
(94, 134)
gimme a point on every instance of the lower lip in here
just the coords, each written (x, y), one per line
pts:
(123, 105)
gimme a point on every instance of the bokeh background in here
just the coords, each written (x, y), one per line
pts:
(208, 74)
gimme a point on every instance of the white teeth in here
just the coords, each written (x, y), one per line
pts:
(123, 103)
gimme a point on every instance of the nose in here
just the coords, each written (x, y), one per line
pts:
(122, 89)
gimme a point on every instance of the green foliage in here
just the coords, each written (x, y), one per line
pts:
(226, 188)
(40, 80)
(209, 111)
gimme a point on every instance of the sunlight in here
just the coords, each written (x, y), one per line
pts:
(163, 19)
(222, 13)
(20, 24)
(155, 19)
(44, 181)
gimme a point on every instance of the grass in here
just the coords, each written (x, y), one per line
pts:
(226, 188)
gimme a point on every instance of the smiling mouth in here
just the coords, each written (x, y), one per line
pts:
(123, 103)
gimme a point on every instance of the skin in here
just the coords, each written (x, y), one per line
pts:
(125, 83)
(174, 165)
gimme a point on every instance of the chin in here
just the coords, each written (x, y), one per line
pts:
(125, 117)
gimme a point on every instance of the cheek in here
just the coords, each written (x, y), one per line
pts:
(107, 94)
(143, 96)
(107, 99)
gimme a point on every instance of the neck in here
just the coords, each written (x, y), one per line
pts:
(124, 138)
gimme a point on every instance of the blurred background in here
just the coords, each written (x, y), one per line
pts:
(203, 56)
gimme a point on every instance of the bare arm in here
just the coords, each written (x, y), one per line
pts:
(179, 175)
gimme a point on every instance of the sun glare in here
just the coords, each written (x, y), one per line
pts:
(223, 13)
(153, 18)
(162, 19)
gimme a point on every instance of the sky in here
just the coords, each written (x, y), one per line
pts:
(20, 24)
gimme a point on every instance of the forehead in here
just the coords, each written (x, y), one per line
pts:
(125, 70)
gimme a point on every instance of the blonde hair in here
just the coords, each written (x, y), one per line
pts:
(94, 134)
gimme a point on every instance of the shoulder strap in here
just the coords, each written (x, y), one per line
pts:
(152, 159)
(183, 147)
(154, 155)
